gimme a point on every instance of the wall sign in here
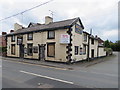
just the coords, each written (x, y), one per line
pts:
(78, 29)
(64, 39)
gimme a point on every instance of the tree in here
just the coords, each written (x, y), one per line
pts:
(107, 44)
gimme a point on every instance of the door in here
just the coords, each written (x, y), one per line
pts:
(21, 51)
(92, 53)
(41, 52)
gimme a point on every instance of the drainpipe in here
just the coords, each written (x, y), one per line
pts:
(88, 47)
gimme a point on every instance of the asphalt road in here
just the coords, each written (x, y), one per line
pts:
(22, 75)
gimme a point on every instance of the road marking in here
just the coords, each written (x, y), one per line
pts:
(37, 65)
(43, 76)
(0, 66)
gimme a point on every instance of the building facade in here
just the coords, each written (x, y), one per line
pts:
(62, 41)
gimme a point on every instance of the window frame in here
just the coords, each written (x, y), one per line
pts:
(48, 36)
(13, 52)
(84, 47)
(48, 49)
(13, 38)
(28, 38)
(28, 53)
(85, 37)
(92, 41)
(76, 50)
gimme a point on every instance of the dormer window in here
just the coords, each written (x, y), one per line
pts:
(30, 36)
(13, 38)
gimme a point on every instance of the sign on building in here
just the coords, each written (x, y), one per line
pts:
(78, 29)
(64, 39)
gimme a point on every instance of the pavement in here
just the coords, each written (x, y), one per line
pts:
(77, 65)
(101, 74)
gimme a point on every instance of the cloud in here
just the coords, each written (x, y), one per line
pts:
(100, 15)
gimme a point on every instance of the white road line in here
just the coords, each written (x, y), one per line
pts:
(60, 80)
(0, 66)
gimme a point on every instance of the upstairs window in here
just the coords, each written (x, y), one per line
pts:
(13, 38)
(29, 49)
(13, 49)
(92, 41)
(85, 37)
(51, 34)
(30, 36)
(76, 50)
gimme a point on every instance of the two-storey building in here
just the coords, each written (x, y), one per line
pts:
(62, 41)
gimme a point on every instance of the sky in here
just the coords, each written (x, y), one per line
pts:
(99, 15)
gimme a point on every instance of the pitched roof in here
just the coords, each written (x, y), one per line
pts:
(53, 25)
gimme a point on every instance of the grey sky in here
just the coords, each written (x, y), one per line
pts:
(100, 15)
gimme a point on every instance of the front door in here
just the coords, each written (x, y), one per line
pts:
(41, 52)
(92, 53)
(21, 51)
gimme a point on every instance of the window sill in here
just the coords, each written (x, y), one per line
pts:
(50, 38)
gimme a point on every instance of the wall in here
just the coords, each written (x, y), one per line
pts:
(77, 40)
(101, 52)
(41, 38)
(9, 47)
(93, 46)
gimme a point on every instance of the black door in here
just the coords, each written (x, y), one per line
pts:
(21, 51)
(41, 52)
(92, 53)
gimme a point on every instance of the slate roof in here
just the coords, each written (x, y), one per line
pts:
(50, 26)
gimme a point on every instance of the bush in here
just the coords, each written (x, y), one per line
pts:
(3, 49)
(108, 51)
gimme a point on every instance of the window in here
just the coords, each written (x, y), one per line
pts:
(92, 41)
(84, 49)
(81, 51)
(51, 49)
(85, 37)
(13, 38)
(51, 34)
(13, 49)
(30, 36)
(35, 49)
(29, 49)
(76, 50)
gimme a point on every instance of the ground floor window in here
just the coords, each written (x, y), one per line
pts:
(13, 49)
(81, 51)
(51, 49)
(76, 50)
(84, 49)
(29, 49)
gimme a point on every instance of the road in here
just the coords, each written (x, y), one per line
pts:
(23, 75)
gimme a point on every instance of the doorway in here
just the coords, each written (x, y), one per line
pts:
(92, 53)
(21, 50)
(42, 52)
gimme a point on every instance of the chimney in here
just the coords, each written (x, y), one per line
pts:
(11, 31)
(17, 26)
(3, 33)
(48, 19)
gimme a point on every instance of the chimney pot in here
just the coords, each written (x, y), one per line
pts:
(3, 33)
(48, 19)
(11, 31)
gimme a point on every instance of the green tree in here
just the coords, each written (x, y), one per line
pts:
(107, 44)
